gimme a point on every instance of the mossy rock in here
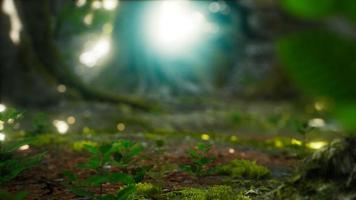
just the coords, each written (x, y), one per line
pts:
(244, 169)
(145, 191)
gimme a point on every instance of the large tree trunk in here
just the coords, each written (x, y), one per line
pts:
(37, 54)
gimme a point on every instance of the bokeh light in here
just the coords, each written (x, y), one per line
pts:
(16, 25)
(316, 145)
(175, 26)
(2, 136)
(61, 126)
(2, 107)
(205, 137)
(93, 55)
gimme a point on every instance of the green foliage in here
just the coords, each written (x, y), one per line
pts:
(4, 195)
(218, 192)
(145, 191)
(320, 62)
(244, 169)
(41, 124)
(200, 161)
(119, 154)
(308, 9)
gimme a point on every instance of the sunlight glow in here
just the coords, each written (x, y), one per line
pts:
(61, 88)
(317, 144)
(71, 120)
(2, 125)
(2, 136)
(316, 123)
(110, 4)
(96, 4)
(231, 151)
(2, 107)
(176, 25)
(88, 19)
(80, 3)
(24, 147)
(93, 55)
(296, 142)
(120, 126)
(205, 137)
(16, 25)
(61, 126)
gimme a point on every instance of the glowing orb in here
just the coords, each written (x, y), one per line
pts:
(2, 107)
(2, 136)
(61, 126)
(93, 55)
(175, 25)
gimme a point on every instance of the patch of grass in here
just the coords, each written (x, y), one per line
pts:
(244, 169)
(217, 192)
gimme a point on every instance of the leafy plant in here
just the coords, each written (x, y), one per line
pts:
(121, 155)
(4, 195)
(200, 161)
(244, 169)
(12, 164)
(41, 124)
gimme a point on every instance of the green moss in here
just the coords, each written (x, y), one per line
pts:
(145, 191)
(244, 169)
(79, 145)
(220, 192)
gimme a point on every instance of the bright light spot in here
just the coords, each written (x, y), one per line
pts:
(91, 57)
(16, 26)
(2, 136)
(296, 142)
(88, 19)
(24, 147)
(81, 3)
(120, 126)
(2, 107)
(231, 151)
(110, 4)
(316, 123)
(233, 138)
(175, 25)
(205, 137)
(71, 120)
(319, 106)
(10, 121)
(278, 143)
(107, 28)
(317, 144)
(1, 125)
(96, 4)
(61, 126)
(61, 88)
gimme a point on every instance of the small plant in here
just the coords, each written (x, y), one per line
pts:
(244, 169)
(145, 191)
(12, 164)
(120, 155)
(4, 195)
(200, 161)
(41, 124)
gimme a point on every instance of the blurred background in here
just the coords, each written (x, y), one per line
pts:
(193, 65)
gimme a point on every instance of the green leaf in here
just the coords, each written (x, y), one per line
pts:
(124, 193)
(321, 63)
(4, 195)
(97, 180)
(70, 176)
(310, 9)
(90, 148)
(122, 178)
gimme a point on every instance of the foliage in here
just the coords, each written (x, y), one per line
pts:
(41, 124)
(10, 196)
(145, 191)
(244, 169)
(200, 160)
(11, 164)
(217, 192)
(119, 154)
(321, 62)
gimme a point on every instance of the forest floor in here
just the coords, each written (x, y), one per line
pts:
(265, 134)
